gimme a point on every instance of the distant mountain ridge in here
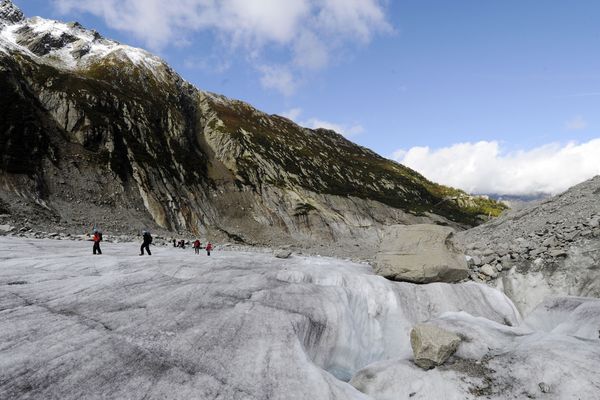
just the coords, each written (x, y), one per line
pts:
(94, 130)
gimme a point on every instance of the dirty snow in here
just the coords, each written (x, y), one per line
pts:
(243, 325)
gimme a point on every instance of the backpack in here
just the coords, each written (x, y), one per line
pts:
(148, 237)
(100, 235)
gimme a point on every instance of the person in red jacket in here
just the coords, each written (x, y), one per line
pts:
(209, 247)
(97, 239)
(197, 246)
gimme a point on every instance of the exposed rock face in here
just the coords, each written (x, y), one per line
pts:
(419, 253)
(431, 345)
(548, 249)
(95, 131)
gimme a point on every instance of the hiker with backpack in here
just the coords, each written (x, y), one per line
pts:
(146, 244)
(196, 246)
(97, 238)
(209, 247)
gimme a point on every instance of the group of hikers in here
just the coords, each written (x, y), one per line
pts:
(197, 245)
(146, 241)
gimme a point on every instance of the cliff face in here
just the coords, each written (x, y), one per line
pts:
(93, 131)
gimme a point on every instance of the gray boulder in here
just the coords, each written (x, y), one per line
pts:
(419, 253)
(431, 345)
(544, 387)
(550, 242)
(283, 253)
(488, 270)
(6, 228)
(488, 259)
(558, 253)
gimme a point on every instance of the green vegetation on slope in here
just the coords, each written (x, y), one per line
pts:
(141, 118)
(325, 162)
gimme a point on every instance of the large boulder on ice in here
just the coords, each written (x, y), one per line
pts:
(420, 253)
(431, 345)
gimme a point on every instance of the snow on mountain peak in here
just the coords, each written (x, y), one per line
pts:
(66, 45)
(9, 12)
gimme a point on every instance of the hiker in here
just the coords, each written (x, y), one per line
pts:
(174, 243)
(209, 247)
(197, 246)
(97, 239)
(182, 244)
(146, 245)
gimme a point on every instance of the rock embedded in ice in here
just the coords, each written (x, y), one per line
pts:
(419, 253)
(432, 345)
(544, 387)
(488, 270)
(283, 254)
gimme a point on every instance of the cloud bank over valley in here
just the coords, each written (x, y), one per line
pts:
(486, 167)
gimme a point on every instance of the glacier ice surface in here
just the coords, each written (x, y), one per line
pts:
(243, 325)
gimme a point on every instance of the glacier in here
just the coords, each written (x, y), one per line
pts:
(248, 325)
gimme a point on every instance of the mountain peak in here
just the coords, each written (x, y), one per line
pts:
(9, 12)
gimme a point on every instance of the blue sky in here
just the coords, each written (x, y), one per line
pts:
(516, 81)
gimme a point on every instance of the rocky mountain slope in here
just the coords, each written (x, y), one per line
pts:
(551, 248)
(93, 131)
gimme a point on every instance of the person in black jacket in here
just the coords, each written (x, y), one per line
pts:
(146, 245)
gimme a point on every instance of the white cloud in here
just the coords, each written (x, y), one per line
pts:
(483, 167)
(309, 31)
(315, 123)
(158, 23)
(279, 78)
(576, 123)
(357, 18)
(310, 52)
(292, 114)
